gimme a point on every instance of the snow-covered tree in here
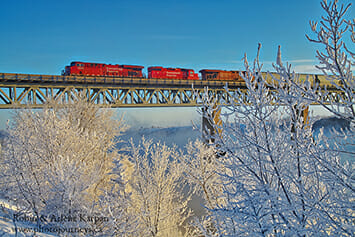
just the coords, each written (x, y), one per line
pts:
(116, 202)
(201, 171)
(337, 35)
(278, 179)
(159, 194)
(62, 160)
(59, 159)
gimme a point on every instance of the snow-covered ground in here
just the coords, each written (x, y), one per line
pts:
(18, 228)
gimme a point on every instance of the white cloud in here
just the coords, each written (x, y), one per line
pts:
(306, 68)
(302, 61)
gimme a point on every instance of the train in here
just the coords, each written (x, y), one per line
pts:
(89, 69)
(154, 72)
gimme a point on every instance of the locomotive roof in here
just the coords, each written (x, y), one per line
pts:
(159, 67)
(102, 64)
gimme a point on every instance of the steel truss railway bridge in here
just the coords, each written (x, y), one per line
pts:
(34, 91)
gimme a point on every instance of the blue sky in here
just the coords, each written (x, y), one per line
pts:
(44, 36)
(41, 37)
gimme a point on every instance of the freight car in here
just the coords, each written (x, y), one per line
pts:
(100, 69)
(172, 73)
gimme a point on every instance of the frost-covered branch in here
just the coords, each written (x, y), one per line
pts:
(337, 60)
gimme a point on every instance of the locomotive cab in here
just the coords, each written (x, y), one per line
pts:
(74, 69)
(190, 74)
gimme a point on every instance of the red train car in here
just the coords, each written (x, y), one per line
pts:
(100, 69)
(221, 75)
(172, 73)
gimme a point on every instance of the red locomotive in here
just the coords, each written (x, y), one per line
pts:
(220, 75)
(172, 73)
(100, 69)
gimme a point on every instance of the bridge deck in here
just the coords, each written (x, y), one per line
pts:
(114, 81)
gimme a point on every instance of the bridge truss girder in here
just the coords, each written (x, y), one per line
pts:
(14, 95)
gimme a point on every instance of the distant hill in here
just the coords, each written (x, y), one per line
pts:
(330, 123)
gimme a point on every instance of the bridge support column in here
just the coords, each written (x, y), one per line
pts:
(303, 112)
(305, 115)
(211, 123)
